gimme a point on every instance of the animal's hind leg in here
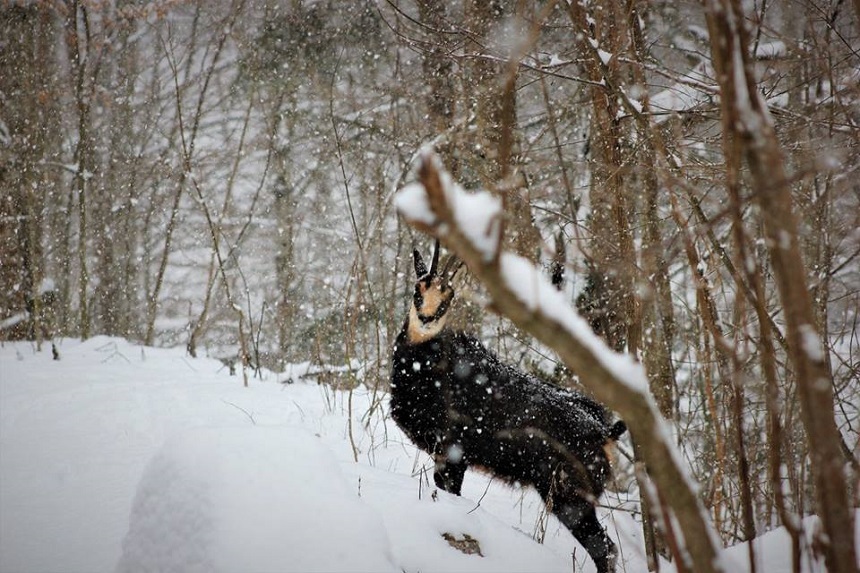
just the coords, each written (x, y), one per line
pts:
(579, 516)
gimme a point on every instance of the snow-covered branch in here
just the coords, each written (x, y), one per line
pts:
(471, 226)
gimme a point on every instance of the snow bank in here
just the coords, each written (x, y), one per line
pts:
(773, 549)
(250, 499)
(146, 458)
(119, 457)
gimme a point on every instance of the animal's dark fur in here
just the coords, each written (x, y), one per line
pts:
(458, 402)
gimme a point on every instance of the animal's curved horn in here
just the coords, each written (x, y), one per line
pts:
(420, 267)
(435, 262)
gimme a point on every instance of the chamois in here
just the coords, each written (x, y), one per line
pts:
(459, 403)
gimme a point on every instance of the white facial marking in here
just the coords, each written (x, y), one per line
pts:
(418, 331)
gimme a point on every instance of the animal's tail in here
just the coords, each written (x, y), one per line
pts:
(617, 430)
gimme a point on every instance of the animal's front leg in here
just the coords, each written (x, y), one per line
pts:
(449, 472)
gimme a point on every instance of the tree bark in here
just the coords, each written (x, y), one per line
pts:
(83, 158)
(613, 271)
(28, 112)
(495, 110)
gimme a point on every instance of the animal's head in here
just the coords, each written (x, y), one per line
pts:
(432, 297)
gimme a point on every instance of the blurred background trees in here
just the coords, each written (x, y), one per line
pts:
(156, 157)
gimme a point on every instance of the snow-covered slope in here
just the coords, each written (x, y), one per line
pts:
(250, 499)
(119, 457)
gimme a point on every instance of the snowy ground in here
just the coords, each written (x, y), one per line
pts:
(124, 458)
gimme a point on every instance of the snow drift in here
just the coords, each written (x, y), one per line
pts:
(124, 458)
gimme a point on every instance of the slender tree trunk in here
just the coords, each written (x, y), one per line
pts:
(732, 153)
(495, 110)
(83, 158)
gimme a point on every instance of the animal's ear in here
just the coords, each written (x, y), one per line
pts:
(452, 266)
(420, 267)
(456, 268)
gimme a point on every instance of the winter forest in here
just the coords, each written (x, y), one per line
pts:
(223, 176)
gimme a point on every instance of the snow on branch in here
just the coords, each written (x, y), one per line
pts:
(477, 215)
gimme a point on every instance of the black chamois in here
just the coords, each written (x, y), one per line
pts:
(459, 403)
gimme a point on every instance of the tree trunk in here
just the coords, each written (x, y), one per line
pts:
(82, 77)
(29, 115)
(610, 302)
(494, 105)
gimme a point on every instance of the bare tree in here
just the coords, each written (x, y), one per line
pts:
(748, 130)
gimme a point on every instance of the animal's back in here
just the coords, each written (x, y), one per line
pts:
(453, 386)
(526, 412)
(515, 399)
